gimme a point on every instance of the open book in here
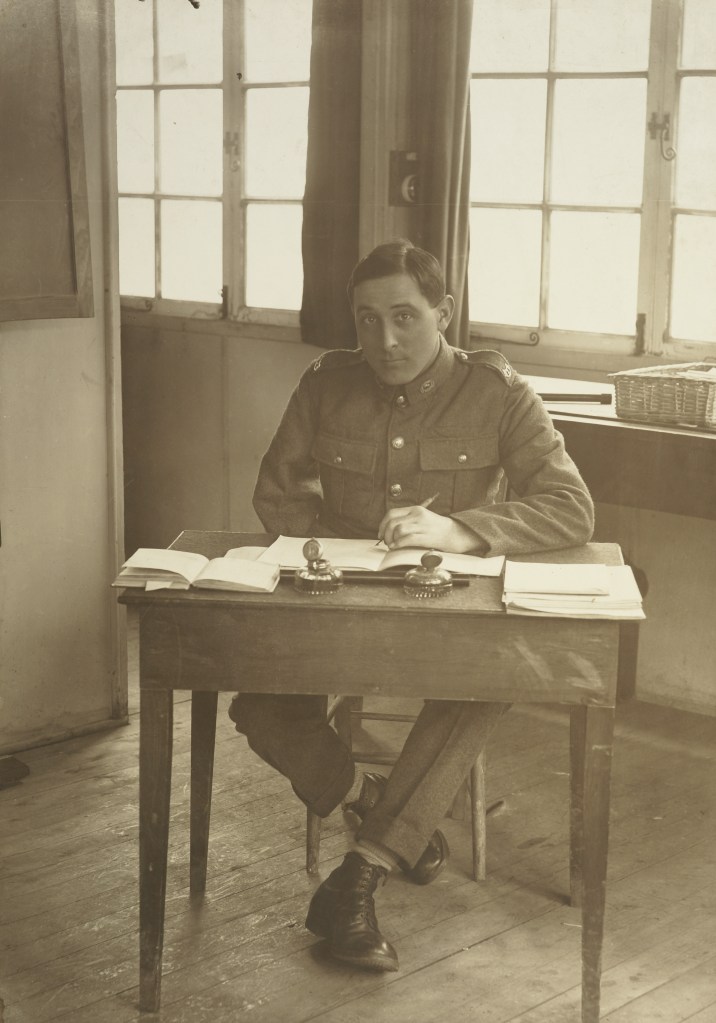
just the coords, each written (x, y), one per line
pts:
(571, 591)
(371, 556)
(158, 568)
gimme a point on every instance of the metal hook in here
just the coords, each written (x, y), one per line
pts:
(663, 128)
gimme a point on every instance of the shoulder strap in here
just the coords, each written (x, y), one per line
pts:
(337, 358)
(493, 360)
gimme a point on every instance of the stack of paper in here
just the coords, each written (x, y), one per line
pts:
(572, 591)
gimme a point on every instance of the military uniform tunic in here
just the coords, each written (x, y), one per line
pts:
(349, 448)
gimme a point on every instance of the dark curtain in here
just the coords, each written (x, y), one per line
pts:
(332, 196)
(440, 57)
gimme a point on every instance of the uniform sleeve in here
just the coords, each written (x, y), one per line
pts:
(288, 496)
(548, 505)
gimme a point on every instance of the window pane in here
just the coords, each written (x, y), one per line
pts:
(693, 298)
(191, 250)
(598, 147)
(593, 272)
(274, 270)
(698, 43)
(190, 43)
(608, 35)
(508, 119)
(510, 35)
(276, 132)
(278, 40)
(135, 141)
(136, 247)
(696, 144)
(191, 133)
(504, 270)
(134, 44)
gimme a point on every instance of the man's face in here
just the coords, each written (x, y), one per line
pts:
(397, 327)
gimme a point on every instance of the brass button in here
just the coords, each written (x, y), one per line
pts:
(401, 401)
(396, 490)
(426, 386)
(508, 371)
(462, 458)
(397, 443)
(338, 460)
(462, 356)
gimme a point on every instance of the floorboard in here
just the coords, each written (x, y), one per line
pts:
(502, 951)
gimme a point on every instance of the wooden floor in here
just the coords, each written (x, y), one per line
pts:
(503, 950)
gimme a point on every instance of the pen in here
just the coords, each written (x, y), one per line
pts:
(428, 501)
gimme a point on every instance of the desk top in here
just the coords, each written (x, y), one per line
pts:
(482, 596)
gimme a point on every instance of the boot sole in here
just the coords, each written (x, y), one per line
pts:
(367, 962)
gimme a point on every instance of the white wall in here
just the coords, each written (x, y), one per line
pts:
(59, 628)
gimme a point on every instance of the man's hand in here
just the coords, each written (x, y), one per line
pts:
(419, 527)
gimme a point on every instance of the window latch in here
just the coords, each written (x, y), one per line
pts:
(231, 143)
(661, 129)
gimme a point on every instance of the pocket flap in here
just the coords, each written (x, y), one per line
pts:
(459, 453)
(351, 455)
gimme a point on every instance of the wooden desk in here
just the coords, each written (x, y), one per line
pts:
(460, 647)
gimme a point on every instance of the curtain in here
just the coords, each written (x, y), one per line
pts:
(332, 195)
(440, 58)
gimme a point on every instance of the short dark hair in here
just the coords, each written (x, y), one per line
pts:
(401, 257)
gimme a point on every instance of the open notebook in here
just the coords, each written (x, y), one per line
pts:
(165, 569)
(371, 556)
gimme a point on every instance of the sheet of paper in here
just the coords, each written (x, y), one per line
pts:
(548, 577)
(166, 584)
(246, 553)
(467, 564)
(287, 552)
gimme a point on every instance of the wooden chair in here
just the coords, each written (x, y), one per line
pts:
(341, 711)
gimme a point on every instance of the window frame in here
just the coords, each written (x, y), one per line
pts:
(658, 211)
(232, 309)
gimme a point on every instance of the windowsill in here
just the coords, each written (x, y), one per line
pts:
(213, 327)
(577, 364)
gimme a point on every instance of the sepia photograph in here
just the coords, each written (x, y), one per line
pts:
(357, 511)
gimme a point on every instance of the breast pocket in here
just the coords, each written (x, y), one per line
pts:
(346, 469)
(464, 471)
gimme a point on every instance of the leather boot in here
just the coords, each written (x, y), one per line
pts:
(342, 910)
(436, 852)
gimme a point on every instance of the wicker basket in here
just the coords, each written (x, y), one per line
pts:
(683, 394)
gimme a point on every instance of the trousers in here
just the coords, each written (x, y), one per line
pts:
(291, 734)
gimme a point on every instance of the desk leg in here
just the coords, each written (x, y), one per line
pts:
(156, 719)
(598, 734)
(203, 735)
(577, 733)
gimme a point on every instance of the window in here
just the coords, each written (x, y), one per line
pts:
(586, 230)
(212, 108)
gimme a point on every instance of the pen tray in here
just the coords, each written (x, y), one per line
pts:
(390, 575)
(677, 395)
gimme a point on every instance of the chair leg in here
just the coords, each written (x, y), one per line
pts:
(313, 842)
(478, 815)
(340, 713)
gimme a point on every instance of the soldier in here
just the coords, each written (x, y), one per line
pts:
(368, 438)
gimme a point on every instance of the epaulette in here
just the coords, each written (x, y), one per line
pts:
(337, 358)
(491, 359)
